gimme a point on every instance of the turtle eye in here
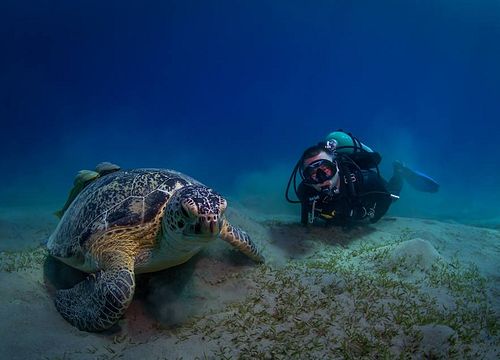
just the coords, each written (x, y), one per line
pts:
(222, 206)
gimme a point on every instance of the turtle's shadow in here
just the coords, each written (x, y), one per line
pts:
(173, 296)
(161, 293)
(58, 275)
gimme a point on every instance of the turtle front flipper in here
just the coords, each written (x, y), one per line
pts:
(240, 239)
(99, 301)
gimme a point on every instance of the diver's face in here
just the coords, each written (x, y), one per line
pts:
(319, 171)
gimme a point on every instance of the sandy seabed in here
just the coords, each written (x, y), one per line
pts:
(403, 287)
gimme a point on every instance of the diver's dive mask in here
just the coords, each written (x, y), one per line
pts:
(319, 171)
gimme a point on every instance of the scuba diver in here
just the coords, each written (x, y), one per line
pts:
(341, 182)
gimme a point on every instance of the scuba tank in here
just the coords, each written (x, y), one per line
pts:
(345, 143)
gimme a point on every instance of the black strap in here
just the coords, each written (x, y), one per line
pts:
(293, 177)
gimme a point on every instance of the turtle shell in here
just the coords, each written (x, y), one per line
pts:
(119, 199)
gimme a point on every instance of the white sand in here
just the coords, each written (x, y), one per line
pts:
(323, 293)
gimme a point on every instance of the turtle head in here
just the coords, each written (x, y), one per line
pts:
(195, 211)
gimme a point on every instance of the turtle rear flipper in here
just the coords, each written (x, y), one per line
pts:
(240, 239)
(99, 301)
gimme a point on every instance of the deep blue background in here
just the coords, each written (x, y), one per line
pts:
(232, 91)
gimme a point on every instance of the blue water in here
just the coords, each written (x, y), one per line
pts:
(231, 92)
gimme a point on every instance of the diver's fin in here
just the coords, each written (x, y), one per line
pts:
(416, 179)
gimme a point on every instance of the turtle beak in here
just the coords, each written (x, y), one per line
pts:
(208, 225)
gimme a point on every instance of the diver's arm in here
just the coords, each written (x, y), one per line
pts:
(307, 195)
(304, 213)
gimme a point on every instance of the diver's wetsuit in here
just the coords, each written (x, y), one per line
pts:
(364, 194)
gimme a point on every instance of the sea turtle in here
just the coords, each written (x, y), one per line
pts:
(130, 222)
